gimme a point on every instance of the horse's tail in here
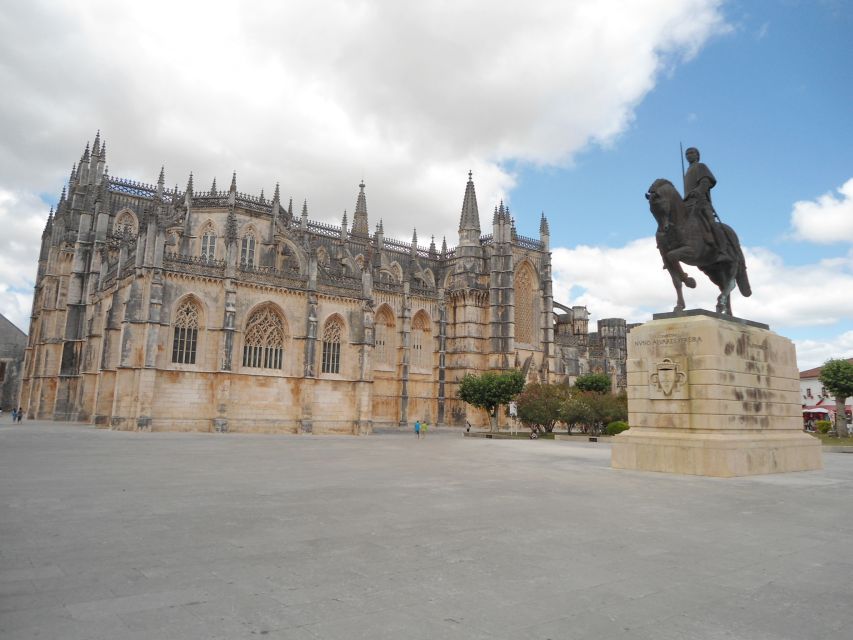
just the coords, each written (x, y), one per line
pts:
(741, 276)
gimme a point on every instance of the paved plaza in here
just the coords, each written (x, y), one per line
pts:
(170, 536)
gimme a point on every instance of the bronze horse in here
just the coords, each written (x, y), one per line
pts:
(680, 238)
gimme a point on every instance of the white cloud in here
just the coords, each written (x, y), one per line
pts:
(828, 219)
(23, 218)
(628, 282)
(813, 353)
(407, 95)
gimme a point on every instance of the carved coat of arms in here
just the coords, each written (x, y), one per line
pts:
(667, 378)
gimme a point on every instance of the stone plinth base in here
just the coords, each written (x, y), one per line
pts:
(714, 396)
(723, 455)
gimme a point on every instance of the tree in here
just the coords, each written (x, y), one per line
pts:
(598, 382)
(540, 406)
(606, 408)
(491, 389)
(837, 376)
(576, 410)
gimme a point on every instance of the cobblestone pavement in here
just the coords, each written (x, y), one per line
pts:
(170, 536)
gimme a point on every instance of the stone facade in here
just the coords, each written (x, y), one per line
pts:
(13, 341)
(215, 310)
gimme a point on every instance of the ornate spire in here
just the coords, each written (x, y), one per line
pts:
(304, 221)
(276, 196)
(262, 196)
(233, 187)
(344, 221)
(381, 227)
(96, 146)
(495, 216)
(73, 176)
(359, 220)
(443, 246)
(85, 156)
(543, 226)
(470, 218)
(213, 190)
(432, 252)
(190, 184)
(290, 210)
(161, 181)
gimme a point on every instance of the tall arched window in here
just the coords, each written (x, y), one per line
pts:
(421, 341)
(247, 251)
(386, 344)
(208, 245)
(263, 346)
(526, 305)
(186, 333)
(332, 345)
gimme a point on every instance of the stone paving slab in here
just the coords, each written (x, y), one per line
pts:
(180, 535)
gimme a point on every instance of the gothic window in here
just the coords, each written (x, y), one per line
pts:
(247, 251)
(2, 371)
(125, 224)
(386, 347)
(186, 334)
(208, 245)
(421, 342)
(526, 305)
(332, 345)
(263, 347)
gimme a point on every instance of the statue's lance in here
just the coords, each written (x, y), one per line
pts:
(683, 173)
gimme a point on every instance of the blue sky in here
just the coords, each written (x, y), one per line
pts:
(571, 108)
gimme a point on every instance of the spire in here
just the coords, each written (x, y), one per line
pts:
(344, 221)
(262, 196)
(503, 213)
(213, 188)
(104, 151)
(304, 221)
(495, 216)
(290, 211)
(233, 187)
(415, 239)
(470, 218)
(161, 181)
(432, 252)
(543, 226)
(276, 196)
(96, 147)
(381, 227)
(73, 176)
(359, 220)
(443, 246)
(85, 156)
(190, 184)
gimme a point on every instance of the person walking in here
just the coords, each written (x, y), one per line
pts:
(418, 429)
(14, 415)
(424, 428)
(20, 414)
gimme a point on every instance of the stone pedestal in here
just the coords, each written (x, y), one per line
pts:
(712, 395)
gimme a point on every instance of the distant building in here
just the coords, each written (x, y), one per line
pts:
(214, 310)
(13, 343)
(815, 396)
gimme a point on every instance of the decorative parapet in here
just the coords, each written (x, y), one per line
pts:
(529, 243)
(388, 287)
(273, 276)
(398, 246)
(194, 264)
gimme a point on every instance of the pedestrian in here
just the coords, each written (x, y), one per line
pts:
(20, 414)
(14, 415)
(418, 429)
(424, 427)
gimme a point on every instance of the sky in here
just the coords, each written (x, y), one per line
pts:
(571, 108)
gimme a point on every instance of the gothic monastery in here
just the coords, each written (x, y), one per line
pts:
(215, 310)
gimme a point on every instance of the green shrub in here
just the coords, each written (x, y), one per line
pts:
(617, 426)
(823, 426)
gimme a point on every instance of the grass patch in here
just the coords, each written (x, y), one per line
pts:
(830, 441)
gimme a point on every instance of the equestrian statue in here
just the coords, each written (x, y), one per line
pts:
(690, 231)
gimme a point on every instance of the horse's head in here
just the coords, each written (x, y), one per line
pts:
(662, 196)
